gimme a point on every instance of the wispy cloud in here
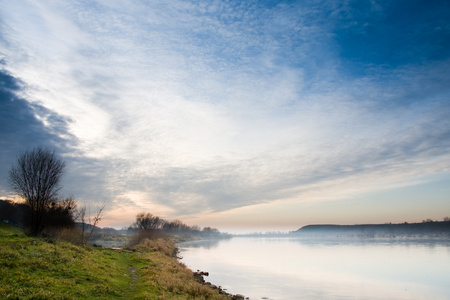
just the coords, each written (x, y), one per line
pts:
(209, 106)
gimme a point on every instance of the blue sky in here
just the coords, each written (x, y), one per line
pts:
(255, 115)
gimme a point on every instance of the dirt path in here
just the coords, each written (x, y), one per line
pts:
(133, 275)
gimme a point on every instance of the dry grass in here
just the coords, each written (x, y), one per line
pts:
(175, 278)
(160, 245)
(166, 272)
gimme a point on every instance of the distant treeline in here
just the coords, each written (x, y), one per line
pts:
(148, 222)
(18, 214)
(57, 215)
(14, 213)
(426, 227)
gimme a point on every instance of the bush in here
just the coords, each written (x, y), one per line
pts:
(137, 238)
(71, 235)
(152, 240)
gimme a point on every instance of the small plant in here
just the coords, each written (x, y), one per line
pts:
(88, 222)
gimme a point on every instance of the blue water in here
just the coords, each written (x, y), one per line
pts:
(347, 268)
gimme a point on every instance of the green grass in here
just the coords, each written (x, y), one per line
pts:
(33, 268)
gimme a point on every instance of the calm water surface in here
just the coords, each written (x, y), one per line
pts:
(301, 268)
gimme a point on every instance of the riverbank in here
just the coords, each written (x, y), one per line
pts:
(35, 268)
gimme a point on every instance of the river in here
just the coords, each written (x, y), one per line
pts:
(315, 268)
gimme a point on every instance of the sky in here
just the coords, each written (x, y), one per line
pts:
(239, 115)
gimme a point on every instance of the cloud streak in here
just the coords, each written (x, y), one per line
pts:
(205, 107)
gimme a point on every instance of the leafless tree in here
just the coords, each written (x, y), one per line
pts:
(176, 225)
(36, 178)
(88, 222)
(147, 221)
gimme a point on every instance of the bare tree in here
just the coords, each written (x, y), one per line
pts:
(36, 178)
(147, 221)
(176, 225)
(88, 222)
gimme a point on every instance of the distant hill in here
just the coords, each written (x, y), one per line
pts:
(377, 229)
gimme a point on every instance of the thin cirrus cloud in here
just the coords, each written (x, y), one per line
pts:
(204, 107)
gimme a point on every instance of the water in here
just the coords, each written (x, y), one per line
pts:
(301, 268)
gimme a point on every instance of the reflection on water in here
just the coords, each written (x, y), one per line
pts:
(208, 244)
(313, 268)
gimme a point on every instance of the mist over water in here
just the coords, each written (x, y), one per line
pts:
(332, 268)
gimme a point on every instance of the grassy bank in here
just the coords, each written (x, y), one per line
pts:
(34, 268)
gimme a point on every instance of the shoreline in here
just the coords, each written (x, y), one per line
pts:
(199, 277)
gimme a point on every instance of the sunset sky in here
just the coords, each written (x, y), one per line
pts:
(240, 115)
